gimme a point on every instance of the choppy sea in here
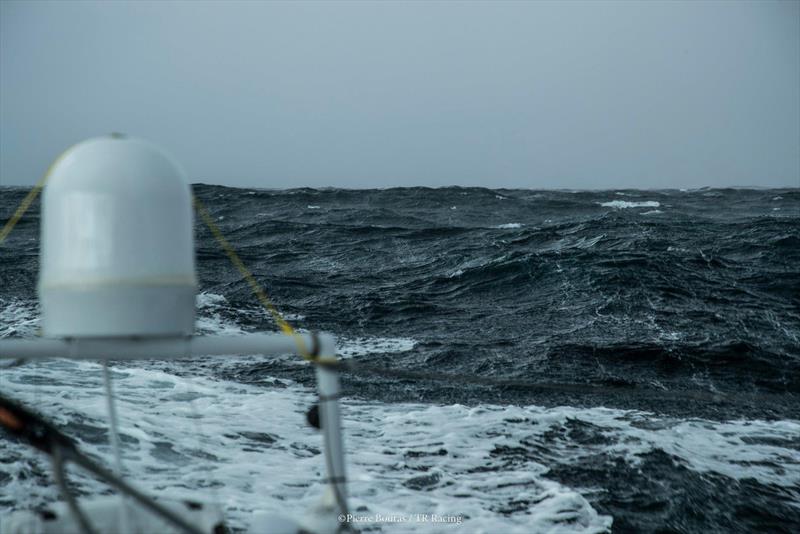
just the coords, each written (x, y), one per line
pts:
(674, 317)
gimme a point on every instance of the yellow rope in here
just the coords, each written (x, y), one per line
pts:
(257, 288)
(28, 200)
(22, 208)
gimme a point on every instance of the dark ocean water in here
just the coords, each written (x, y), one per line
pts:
(654, 300)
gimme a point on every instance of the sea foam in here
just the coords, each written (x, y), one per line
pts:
(621, 204)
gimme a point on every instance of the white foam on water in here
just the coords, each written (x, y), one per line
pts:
(209, 320)
(249, 448)
(478, 263)
(622, 204)
(725, 448)
(206, 300)
(313, 207)
(18, 318)
(651, 212)
(441, 460)
(585, 243)
(509, 226)
(570, 242)
(351, 347)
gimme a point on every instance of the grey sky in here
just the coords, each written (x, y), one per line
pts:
(538, 95)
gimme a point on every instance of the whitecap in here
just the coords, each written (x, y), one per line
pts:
(652, 212)
(621, 204)
(585, 243)
(209, 318)
(18, 318)
(313, 207)
(508, 226)
(209, 300)
(360, 346)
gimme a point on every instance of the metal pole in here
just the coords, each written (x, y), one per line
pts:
(331, 422)
(131, 348)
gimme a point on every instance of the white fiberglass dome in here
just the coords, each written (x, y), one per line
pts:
(117, 251)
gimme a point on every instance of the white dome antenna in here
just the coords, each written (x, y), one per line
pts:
(117, 255)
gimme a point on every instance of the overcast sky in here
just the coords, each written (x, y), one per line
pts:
(535, 95)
